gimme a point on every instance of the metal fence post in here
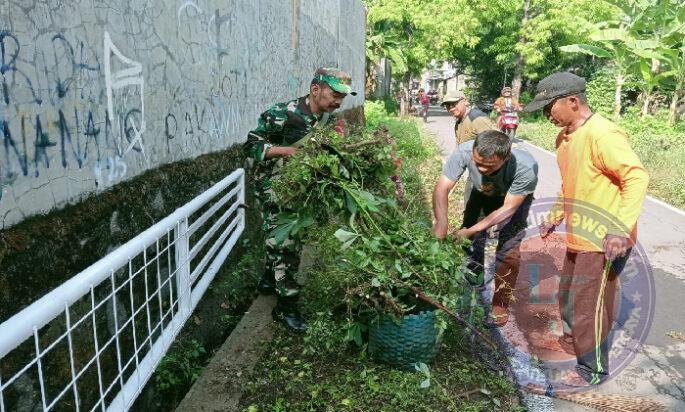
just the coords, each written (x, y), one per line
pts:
(183, 268)
(241, 198)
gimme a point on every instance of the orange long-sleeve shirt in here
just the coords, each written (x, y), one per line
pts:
(603, 184)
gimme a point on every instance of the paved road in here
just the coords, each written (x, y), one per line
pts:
(658, 369)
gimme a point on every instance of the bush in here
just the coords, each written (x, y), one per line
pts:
(601, 90)
(380, 111)
(180, 368)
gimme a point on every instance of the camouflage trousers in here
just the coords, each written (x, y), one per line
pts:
(282, 259)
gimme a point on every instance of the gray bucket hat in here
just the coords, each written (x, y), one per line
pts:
(453, 96)
(555, 85)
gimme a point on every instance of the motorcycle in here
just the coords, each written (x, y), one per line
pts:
(423, 108)
(508, 122)
(423, 112)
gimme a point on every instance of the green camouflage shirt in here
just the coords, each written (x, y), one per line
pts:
(283, 124)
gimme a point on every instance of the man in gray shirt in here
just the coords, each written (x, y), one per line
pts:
(503, 180)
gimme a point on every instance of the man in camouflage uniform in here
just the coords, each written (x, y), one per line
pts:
(280, 130)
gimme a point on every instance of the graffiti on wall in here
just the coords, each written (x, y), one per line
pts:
(105, 94)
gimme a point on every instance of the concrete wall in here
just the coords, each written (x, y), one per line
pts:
(95, 93)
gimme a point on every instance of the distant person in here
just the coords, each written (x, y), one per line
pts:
(507, 106)
(470, 121)
(599, 171)
(506, 101)
(424, 101)
(280, 130)
(503, 181)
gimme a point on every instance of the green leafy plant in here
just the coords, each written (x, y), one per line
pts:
(425, 370)
(180, 368)
(386, 260)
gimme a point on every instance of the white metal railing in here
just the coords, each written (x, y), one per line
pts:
(93, 342)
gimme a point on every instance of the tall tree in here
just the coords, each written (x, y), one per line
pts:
(523, 37)
(614, 48)
(517, 81)
(645, 35)
(419, 31)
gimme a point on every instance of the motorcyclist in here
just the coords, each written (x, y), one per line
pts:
(507, 102)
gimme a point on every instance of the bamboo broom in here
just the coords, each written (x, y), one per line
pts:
(605, 402)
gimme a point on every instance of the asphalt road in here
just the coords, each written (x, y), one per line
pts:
(657, 370)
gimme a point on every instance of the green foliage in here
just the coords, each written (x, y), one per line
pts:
(407, 137)
(600, 91)
(180, 368)
(504, 35)
(371, 250)
(287, 379)
(409, 34)
(376, 113)
(384, 249)
(324, 178)
(646, 40)
(323, 370)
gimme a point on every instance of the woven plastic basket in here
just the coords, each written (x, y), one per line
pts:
(413, 340)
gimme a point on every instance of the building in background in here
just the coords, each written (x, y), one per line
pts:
(441, 77)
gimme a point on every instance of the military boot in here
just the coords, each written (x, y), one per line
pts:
(267, 284)
(286, 312)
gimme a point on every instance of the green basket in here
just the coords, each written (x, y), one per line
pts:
(413, 340)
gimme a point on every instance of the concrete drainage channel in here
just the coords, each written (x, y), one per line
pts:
(221, 384)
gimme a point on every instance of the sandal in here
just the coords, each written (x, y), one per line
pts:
(499, 316)
(566, 344)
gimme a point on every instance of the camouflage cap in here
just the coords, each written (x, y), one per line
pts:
(338, 80)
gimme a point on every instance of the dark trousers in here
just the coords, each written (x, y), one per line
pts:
(511, 233)
(587, 302)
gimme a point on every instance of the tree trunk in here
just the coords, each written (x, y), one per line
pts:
(517, 81)
(645, 104)
(656, 66)
(404, 110)
(620, 80)
(405, 100)
(671, 110)
(370, 86)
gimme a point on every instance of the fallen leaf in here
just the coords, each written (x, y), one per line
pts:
(676, 335)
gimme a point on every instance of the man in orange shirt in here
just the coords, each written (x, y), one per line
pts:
(602, 191)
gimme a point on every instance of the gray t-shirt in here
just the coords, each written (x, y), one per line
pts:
(518, 176)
